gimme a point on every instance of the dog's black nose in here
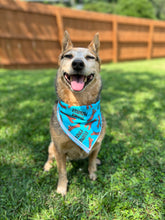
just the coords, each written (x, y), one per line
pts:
(78, 64)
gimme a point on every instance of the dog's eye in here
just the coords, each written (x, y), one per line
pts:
(68, 56)
(88, 57)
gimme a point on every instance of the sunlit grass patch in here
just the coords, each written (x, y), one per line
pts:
(131, 179)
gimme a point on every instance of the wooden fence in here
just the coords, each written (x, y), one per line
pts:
(31, 34)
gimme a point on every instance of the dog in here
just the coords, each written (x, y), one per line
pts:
(78, 86)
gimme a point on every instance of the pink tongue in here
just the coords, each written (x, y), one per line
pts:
(77, 83)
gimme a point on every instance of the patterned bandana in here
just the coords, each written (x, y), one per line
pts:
(81, 123)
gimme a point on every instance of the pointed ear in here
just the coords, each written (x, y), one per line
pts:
(67, 43)
(95, 44)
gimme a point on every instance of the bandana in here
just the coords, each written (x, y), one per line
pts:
(81, 123)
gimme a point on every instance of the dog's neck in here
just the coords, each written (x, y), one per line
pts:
(75, 99)
(89, 96)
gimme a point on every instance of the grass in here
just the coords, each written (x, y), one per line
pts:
(131, 179)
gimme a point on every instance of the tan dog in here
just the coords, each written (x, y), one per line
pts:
(78, 83)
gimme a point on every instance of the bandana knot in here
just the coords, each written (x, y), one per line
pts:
(81, 123)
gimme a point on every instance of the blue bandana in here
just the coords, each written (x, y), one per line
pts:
(81, 123)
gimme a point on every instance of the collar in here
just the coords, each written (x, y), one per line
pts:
(81, 123)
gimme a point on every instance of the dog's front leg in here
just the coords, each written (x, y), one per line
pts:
(51, 156)
(61, 166)
(93, 161)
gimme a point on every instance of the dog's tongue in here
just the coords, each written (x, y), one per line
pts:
(77, 83)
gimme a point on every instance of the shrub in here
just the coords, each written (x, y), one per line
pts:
(140, 8)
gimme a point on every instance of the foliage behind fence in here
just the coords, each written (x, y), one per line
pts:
(31, 34)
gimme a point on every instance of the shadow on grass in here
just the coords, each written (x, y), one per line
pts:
(131, 154)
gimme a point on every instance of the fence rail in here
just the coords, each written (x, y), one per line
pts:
(31, 34)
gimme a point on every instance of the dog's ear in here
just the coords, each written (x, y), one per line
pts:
(95, 44)
(67, 43)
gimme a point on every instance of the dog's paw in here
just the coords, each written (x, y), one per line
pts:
(93, 176)
(47, 166)
(61, 190)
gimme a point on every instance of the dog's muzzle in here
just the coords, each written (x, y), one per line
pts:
(78, 80)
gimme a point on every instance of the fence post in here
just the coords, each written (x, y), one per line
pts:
(59, 26)
(150, 40)
(115, 40)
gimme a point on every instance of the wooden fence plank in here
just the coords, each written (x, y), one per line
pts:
(150, 41)
(115, 41)
(60, 26)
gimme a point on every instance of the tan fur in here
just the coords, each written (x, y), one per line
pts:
(61, 146)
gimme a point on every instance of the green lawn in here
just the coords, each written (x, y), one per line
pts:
(131, 179)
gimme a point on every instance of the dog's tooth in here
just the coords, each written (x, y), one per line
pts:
(85, 79)
(71, 78)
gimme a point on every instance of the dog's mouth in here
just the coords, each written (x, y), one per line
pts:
(78, 82)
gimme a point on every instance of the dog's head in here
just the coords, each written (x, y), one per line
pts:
(79, 67)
